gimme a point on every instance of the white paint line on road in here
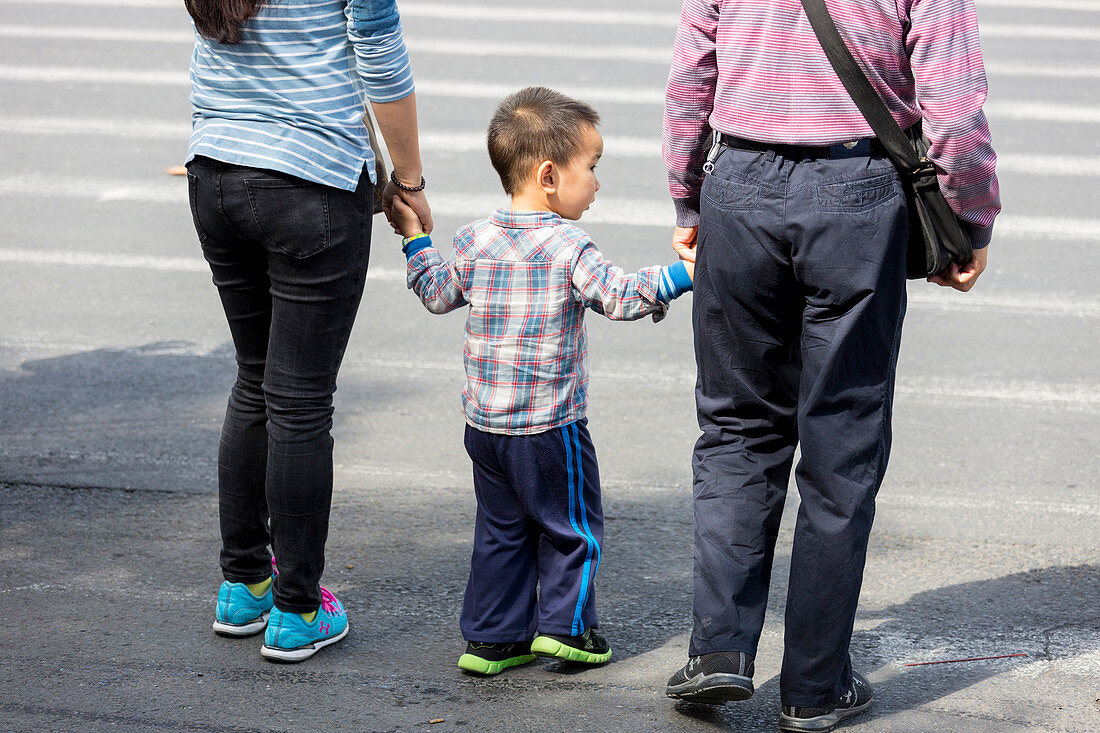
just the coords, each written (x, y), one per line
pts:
(1000, 504)
(436, 141)
(1044, 32)
(607, 209)
(1091, 6)
(462, 142)
(1077, 397)
(569, 15)
(416, 44)
(1057, 72)
(660, 55)
(1043, 111)
(437, 88)
(1062, 396)
(1018, 110)
(141, 262)
(921, 296)
(936, 299)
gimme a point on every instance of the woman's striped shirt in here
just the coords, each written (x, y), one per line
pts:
(291, 95)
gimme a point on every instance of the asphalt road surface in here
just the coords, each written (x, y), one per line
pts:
(114, 369)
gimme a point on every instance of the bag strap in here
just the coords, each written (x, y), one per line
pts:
(870, 104)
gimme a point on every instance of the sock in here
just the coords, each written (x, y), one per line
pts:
(258, 589)
(308, 617)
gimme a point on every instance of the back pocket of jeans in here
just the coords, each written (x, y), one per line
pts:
(730, 194)
(292, 217)
(856, 196)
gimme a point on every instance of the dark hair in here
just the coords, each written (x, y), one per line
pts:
(221, 20)
(533, 125)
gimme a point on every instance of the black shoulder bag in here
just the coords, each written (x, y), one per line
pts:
(936, 237)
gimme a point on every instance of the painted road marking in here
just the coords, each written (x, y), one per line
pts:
(612, 210)
(921, 297)
(660, 55)
(462, 142)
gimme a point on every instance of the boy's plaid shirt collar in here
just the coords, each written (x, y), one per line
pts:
(508, 219)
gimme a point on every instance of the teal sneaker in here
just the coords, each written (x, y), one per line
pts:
(290, 639)
(239, 613)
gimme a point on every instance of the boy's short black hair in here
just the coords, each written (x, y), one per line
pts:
(533, 125)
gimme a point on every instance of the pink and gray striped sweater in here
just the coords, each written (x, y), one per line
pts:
(754, 69)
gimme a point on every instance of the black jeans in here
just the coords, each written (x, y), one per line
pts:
(799, 301)
(289, 258)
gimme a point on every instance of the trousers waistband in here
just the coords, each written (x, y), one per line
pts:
(853, 149)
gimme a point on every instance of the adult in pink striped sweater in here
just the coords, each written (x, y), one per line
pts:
(797, 223)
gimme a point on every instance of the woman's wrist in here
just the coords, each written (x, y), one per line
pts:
(407, 179)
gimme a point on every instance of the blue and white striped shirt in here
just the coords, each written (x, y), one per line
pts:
(291, 95)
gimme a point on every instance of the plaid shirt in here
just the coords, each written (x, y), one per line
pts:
(527, 277)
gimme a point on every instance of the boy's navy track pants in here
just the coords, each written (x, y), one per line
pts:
(539, 523)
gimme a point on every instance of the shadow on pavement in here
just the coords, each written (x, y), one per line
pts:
(1051, 614)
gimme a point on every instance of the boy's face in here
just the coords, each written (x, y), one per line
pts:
(577, 184)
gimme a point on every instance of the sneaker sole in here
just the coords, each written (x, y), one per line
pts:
(821, 722)
(544, 646)
(474, 663)
(713, 689)
(251, 628)
(300, 653)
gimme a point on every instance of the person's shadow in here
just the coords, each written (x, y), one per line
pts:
(1051, 614)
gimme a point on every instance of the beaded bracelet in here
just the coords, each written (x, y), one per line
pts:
(403, 187)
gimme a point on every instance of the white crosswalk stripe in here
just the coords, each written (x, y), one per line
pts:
(659, 55)
(617, 211)
(920, 297)
(462, 142)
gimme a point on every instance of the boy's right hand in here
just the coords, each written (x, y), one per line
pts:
(690, 267)
(405, 219)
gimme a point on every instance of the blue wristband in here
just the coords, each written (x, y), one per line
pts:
(411, 245)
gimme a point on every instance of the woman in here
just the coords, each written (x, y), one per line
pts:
(280, 175)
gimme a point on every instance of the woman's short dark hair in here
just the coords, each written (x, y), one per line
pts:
(221, 20)
(533, 125)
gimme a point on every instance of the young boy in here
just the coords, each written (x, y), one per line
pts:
(527, 277)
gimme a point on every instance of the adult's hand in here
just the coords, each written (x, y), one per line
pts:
(963, 278)
(683, 242)
(416, 201)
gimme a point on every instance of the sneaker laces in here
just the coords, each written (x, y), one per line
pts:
(328, 601)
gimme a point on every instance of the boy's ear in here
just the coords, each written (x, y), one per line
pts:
(547, 176)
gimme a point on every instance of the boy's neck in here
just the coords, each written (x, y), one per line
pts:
(531, 201)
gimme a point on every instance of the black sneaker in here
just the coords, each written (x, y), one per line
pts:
(713, 678)
(589, 647)
(855, 701)
(486, 658)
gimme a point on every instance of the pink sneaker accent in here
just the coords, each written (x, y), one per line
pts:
(328, 600)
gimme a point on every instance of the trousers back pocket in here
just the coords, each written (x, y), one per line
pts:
(292, 216)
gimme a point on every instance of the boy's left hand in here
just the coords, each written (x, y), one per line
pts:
(690, 267)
